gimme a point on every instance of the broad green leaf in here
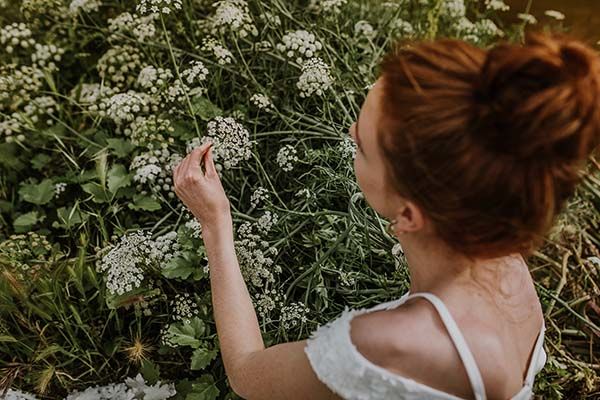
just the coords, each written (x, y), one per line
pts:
(187, 334)
(150, 372)
(204, 388)
(147, 203)
(202, 357)
(40, 161)
(120, 147)
(99, 195)
(37, 193)
(118, 177)
(69, 217)
(204, 108)
(24, 222)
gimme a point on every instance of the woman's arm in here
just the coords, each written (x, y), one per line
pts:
(279, 372)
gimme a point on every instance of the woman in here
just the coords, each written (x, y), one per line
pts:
(471, 154)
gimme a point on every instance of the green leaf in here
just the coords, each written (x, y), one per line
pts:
(202, 357)
(24, 222)
(67, 218)
(141, 202)
(120, 147)
(118, 177)
(40, 161)
(204, 108)
(99, 195)
(187, 334)
(37, 193)
(150, 372)
(204, 388)
(183, 265)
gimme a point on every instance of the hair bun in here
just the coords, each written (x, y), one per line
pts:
(540, 100)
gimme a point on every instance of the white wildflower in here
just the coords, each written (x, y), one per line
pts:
(299, 45)
(527, 18)
(260, 195)
(47, 55)
(557, 15)
(154, 80)
(197, 72)
(286, 157)
(154, 170)
(124, 262)
(164, 248)
(87, 6)
(262, 101)
(140, 27)
(496, 5)
(327, 6)
(222, 55)
(347, 147)
(267, 302)
(255, 256)
(184, 308)
(120, 65)
(266, 222)
(59, 188)
(194, 225)
(234, 16)
(315, 78)
(18, 395)
(364, 29)
(123, 108)
(15, 36)
(158, 6)
(293, 314)
(230, 139)
(453, 9)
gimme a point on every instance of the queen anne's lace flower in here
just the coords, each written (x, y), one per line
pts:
(300, 45)
(496, 5)
(151, 132)
(59, 188)
(158, 6)
(527, 18)
(233, 15)
(133, 388)
(347, 148)
(230, 139)
(327, 6)
(315, 78)
(453, 9)
(154, 80)
(286, 157)
(197, 72)
(123, 108)
(260, 195)
(164, 248)
(255, 254)
(557, 15)
(18, 395)
(222, 55)
(120, 65)
(15, 36)
(184, 308)
(263, 102)
(140, 27)
(124, 262)
(364, 29)
(46, 56)
(293, 314)
(154, 170)
(87, 6)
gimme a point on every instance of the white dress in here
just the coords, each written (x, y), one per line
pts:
(340, 366)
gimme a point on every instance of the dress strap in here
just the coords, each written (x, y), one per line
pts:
(535, 357)
(459, 342)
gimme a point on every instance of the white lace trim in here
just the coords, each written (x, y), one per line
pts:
(338, 364)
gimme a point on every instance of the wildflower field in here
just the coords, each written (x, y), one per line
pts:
(104, 289)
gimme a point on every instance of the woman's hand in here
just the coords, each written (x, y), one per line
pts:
(202, 192)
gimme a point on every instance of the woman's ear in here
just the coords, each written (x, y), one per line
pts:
(409, 218)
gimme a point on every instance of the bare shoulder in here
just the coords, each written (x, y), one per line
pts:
(411, 341)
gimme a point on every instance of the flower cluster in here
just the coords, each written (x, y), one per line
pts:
(120, 65)
(86, 6)
(46, 55)
(151, 132)
(197, 72)
(133, 388)
(158, 6)
(230, 139)
(327, 6)
(232, 15)
(364, 29)
(453, 9)
(293, 314)
(123, 108)
(527, 18)
(124, 262)
(222, 55)
(164, 248)
(263, 102)
(300, 45)
(255, 254)
(402, 28)
(496, 5)
(347, 148)
(286, 157)
(41, 106)
(267, 302)
(154, 169)
(315, 78)
(195, 227)
(140, 27)
(259, 195)
(18, 395)
(24, 254)
(15, 36)
(153, 79)
(557, 15)
(184, 308)
(59, 188)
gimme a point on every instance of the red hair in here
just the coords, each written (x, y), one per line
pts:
(489, 143)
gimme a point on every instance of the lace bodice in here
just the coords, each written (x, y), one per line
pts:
(339, 365)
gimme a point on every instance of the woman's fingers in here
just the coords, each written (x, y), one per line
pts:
(209, 163)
